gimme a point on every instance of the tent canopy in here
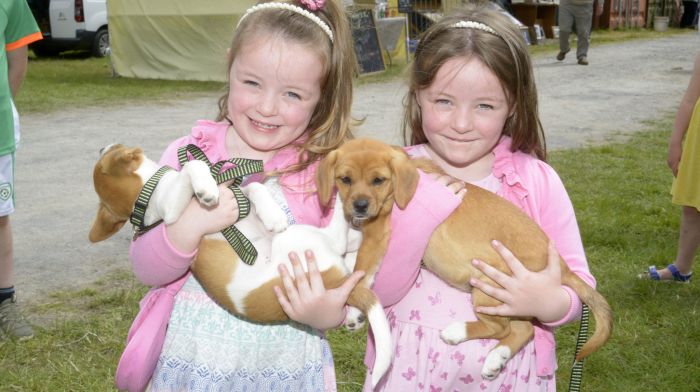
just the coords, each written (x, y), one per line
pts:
(173, 39)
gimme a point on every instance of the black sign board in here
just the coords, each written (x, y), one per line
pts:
(405, 6)
(366, 41)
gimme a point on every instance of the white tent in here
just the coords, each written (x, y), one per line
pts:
(173, 39)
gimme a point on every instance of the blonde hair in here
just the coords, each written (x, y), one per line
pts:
(503, 51)
(331, 121)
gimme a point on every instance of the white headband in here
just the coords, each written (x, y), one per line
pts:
(293, 8)
(470, 24)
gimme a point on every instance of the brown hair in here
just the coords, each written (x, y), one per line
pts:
(331, 121)
(504, 53)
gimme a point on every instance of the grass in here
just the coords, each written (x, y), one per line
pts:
(620, 193)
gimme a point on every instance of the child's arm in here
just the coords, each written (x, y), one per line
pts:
(555, 214)
(685, 111)
(165, 253)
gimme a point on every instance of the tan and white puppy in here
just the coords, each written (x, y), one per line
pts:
(371, 176)
(242, 289)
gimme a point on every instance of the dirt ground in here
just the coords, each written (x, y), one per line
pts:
(624, 85)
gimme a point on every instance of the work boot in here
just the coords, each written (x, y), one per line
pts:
(583, 60)
(12, 323)
(561, 55)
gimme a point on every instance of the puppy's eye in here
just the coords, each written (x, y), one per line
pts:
(378, 181)
(346, 180)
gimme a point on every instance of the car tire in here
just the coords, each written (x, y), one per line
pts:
(100, 46)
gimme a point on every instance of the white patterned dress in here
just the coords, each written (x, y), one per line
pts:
(208, 349)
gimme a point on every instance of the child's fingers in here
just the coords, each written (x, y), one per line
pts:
(352, 281)
(302, 284)
(553, 259)
(315, 279)
(513, 263)
(500, 310)
(491, 291)
(289, 287)
(497, 276)
(284, 302)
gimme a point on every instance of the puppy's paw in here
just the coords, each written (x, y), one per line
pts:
(354, 319)
(203, 184)
(454, 333)
(495, 362)
(273, 218)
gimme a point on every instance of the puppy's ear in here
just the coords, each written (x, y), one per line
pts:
(105, 225)
(325, 177)
(405, 178)
(131, 157)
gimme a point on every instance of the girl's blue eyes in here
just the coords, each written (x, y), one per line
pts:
(448, 102)
(289, 94)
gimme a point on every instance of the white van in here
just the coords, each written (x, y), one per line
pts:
(71, 25)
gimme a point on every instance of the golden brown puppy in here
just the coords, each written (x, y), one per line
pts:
(371, 176)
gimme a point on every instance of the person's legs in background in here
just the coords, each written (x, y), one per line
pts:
(12, 323)
(688, 242)
(566, 24)
(583, 16)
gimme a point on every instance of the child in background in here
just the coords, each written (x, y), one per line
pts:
(288, 104)
(684, 161)
(472, 108)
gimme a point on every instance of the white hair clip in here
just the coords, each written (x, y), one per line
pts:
(470, 24)
(293, 8)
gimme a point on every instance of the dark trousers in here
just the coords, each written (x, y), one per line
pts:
(690, 10)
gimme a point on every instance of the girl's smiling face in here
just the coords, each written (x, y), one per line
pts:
(274, 89)
(463, 113)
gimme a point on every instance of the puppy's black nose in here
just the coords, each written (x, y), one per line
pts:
(360, 206)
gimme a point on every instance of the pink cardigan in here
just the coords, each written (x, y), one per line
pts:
(157, 263)
(535, 187)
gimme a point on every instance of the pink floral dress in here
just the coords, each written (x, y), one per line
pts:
(423, 362)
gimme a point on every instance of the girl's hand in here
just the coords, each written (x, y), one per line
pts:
(198, 220)
(525, 293)
(307, 301)
(674, 157)
(456, 185)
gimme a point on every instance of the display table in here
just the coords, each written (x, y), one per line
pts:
(529, 14)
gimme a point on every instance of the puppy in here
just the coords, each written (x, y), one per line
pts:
(371, 176)
(242, 289)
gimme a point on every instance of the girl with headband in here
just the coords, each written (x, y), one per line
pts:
(472, 108)
(290, 70)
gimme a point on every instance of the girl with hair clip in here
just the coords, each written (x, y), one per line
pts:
(472, 109)
(291, 65)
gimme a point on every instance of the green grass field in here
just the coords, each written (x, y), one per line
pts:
(620, 192)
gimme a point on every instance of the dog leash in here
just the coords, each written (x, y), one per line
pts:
(577, 368)
(242, 167)
(137, 216)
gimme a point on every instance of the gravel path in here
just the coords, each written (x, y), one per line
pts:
(625, 85)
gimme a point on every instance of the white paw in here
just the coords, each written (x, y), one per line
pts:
(354, 319)
(495, 362)
(454, 333)
(274, 219)
(203, 185)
